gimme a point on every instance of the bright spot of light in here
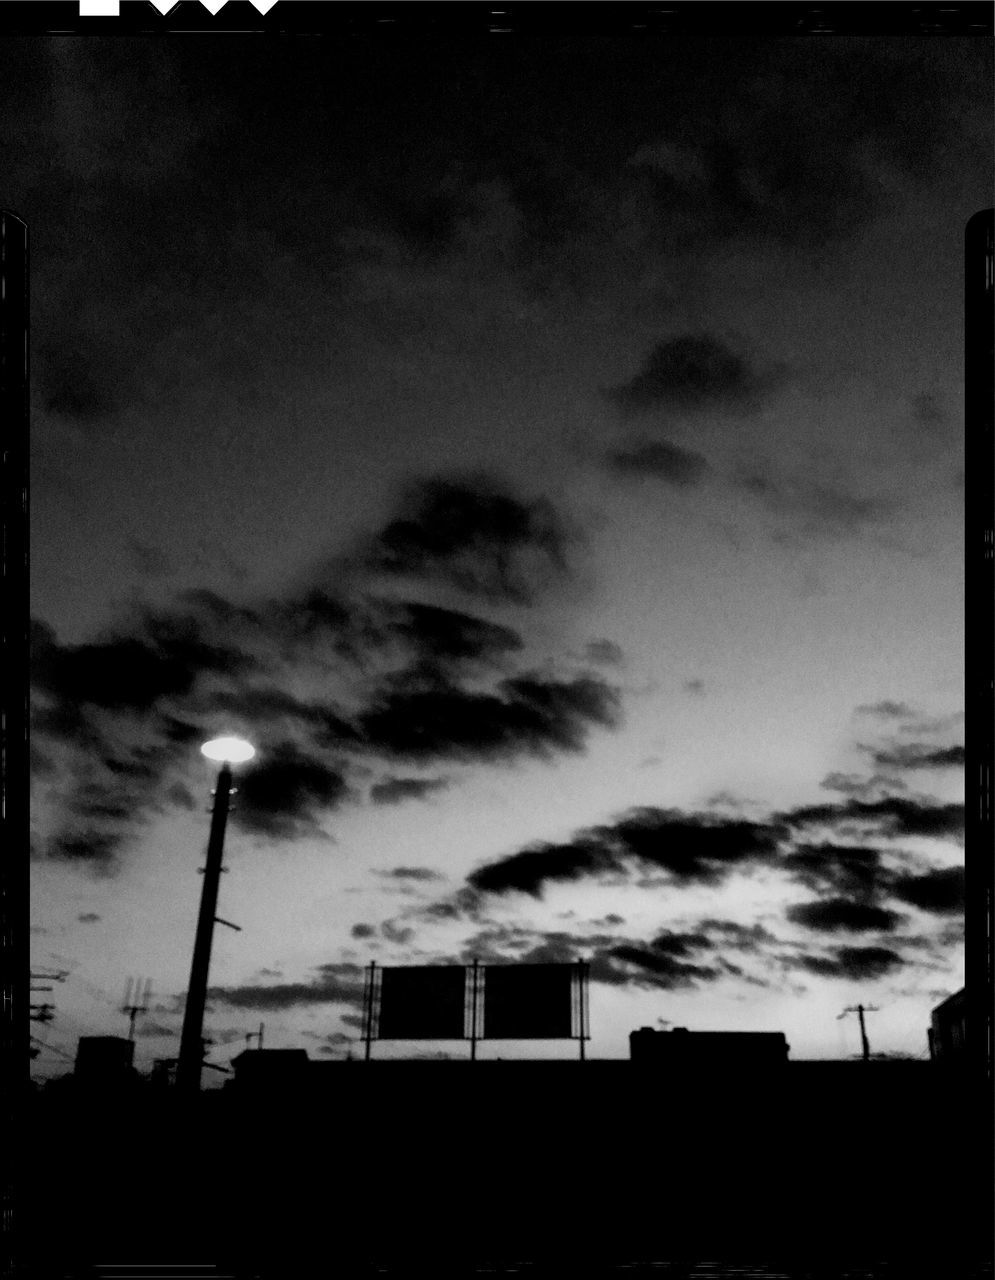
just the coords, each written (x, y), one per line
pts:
(229, 750)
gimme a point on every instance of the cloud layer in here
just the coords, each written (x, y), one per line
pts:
(691, 373)
(327, 682)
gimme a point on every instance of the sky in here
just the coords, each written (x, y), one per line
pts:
(550, 457)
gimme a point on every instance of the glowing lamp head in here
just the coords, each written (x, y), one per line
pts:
(228, 750)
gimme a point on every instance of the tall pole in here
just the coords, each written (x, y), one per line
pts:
(473, 1010)
(860, 1010)
(865, 1047)
(368, 1029)
(191, 1041)
(581, 984)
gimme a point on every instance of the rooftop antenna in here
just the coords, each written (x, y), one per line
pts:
(140, 1003)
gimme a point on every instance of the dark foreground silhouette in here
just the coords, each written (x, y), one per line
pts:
(464, 1164)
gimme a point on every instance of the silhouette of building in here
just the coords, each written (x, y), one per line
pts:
(163, 1074)
(104, 1060)
(946, 1030)
(271, 1069)
(683, 1048)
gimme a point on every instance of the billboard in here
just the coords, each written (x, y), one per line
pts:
(528, 1001)
(422, 1002)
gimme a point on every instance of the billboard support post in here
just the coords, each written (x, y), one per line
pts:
(581, 993)
(368, 1009)
(473, 1010)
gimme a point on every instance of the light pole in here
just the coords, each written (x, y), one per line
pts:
(227, 751)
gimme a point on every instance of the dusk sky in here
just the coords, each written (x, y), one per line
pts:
(550, 457)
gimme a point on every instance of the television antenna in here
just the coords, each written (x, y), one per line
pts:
(136, 1001)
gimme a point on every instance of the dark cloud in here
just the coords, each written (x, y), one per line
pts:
(834, 508)
(411, 170)
(747, 170)
(269, 705)
(88, 917)
(136, 701)
(891, 815)
(693, 848)
(183, 641)
(396, 790)
(363, 931)
(663, 461)
(477, 535)
(632, 965)
(861, 786)
(287, 792)
(860, 877)
(940, 892)
(448, 635)
(604, 652)
(336, 1040)
(335, 984)
(161, 658)
(730, 933)
(835, 915)
(97, 801)
(137, 766)
(697, 848)
(201, 659)
(441, 911)
(123, 672)
(855, 872)
(530, 869)
(401, 934)
(697, 687)
(813, 508)
(40, 764)
(918, 755)
(853, 963)
(662, 964)
(181, 796)
(498, 943)
(98, 848)
(932, 726)
(691, 373)
(680, 944)
(886, 709)
(528, 715)
(413, 873)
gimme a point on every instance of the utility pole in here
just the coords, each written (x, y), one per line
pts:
(191, 1039)
(860, 1010)
(192, 1047)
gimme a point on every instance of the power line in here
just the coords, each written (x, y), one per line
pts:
(51, 1048)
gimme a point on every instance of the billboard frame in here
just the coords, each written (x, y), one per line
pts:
(475, 1005)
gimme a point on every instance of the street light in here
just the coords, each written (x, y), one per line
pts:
(226, 751)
